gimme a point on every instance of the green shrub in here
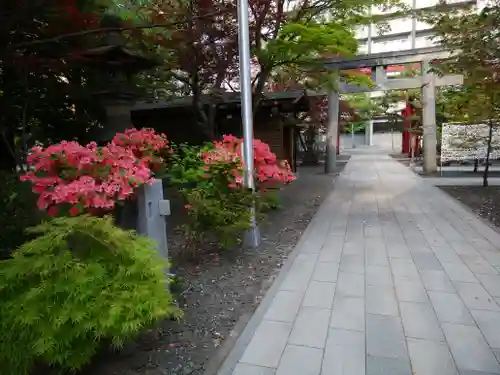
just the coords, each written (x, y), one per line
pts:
(18, 211)
(82, 281)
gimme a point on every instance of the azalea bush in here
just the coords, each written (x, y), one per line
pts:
(69, 177)
(80, 283)
(217, 202)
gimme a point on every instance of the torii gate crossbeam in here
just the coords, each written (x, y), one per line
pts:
(427, 82)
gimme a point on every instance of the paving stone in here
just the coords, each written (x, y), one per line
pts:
(476, 297)
(344, 353)
(319, 294)
(378, 275)
(300, 273)
(381, 300)
(310, 328)
(354, 248)
(420, 321)
(404, 269)
(387, 366)
(446, 254)
(478, 265)
(410, 290)
(267, 344)
(489, 324)
(398, 250)
(246, 369)
(352, 263)
(473, 372)
(330, 255)
(300, 360)
(326, 271)
(462, 247)
(427, 261)
(348, 313)
(459, 272)
(351, 284)
(285, 306)
(385, 337)
(450, 308)
(437, 281)
(470, 350)
(333, 243)
(431, 358)
(491, 283)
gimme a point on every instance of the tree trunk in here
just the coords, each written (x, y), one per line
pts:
(488, 152)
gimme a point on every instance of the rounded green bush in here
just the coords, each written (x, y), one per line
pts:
(82, 280)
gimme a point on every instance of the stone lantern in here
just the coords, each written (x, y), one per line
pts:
(115, 65)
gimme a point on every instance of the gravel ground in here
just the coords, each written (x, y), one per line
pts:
(484, 201)
(218, 289)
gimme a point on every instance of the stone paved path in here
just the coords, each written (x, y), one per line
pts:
(392, 277)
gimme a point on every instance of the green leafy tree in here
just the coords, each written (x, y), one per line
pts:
(472, 37)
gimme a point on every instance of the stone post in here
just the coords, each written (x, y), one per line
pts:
(429, 118)
(369, 133)
(332, 131)
(152, 210)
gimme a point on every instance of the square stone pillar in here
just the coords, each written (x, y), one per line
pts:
(332, 131)
(369, 133)
(428, 98)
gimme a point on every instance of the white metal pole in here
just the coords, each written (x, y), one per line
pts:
(252, 237)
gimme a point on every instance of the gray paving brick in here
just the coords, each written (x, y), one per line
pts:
(246, 369)
(378, 275)
(404, 269)
(427, 261)
(344, 353)
(431, 358)
(491, 283)
(326, 271)
(476, 297)
(333, 243)
(381, 300)
(330, 255)
(450, 308)
(310, 328)
(473, 372)
(348, 313)
(319, 294)
(437, 281)
(398, 250)
(385, 337)
(420, 321)
(300, 360)
(387, 366)
(284, 306)
(489, 324)
(267, 344)
(470, 350)
(354, 247)
(352, 263)
(446, 254)
(462, 247)
(478, 265)
(377, 257)
(300, 273)
(410, 290)
(351, 284)
(459, 272)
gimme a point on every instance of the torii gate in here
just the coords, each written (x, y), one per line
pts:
(379, 62)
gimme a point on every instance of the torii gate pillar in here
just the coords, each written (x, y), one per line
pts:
(428, 97)
(332, 132)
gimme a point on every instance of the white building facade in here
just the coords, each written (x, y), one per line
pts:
(405, 33)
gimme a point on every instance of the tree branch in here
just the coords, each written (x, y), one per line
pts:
(111, 29)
